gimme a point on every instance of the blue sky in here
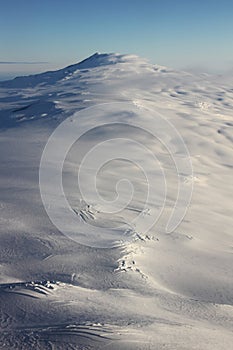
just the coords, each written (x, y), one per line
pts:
(176, 33)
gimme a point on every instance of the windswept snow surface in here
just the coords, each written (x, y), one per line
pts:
(108, 284)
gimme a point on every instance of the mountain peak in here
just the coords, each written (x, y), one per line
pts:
(102, 59)
(94, 61)
(97, 59)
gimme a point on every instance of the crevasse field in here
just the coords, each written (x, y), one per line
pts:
(100, 245)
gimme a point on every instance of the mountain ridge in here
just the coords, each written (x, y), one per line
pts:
(52, 76)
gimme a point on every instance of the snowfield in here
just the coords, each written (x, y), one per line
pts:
(97, 160)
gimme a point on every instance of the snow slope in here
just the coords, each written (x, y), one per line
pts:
(109, 283)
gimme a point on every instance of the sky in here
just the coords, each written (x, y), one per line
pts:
(48, 34)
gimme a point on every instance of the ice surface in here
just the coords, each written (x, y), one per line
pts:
(122, 288)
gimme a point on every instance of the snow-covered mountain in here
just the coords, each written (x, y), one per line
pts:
(102, 270)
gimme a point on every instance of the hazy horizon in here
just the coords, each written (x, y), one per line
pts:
(10, 70)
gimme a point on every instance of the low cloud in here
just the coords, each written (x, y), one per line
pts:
(18, 62)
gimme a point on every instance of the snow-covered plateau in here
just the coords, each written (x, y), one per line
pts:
(116, 208)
